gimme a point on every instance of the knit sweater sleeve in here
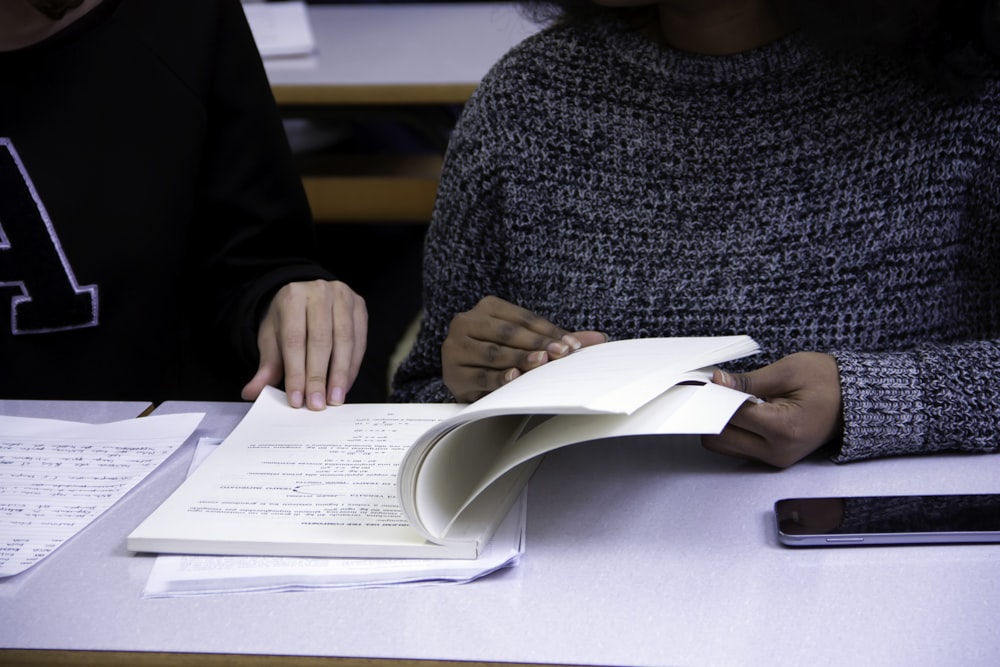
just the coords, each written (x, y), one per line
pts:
(462, 251)
(935, 397)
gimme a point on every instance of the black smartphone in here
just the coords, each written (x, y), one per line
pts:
(874, 520)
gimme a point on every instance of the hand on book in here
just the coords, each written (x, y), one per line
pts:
(313, 337)
(497, 341)
(801, 413)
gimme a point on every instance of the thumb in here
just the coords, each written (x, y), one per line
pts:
(264, 376)
(749, 383)
(269, 370)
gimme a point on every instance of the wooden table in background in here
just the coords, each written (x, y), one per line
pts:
(405, 61)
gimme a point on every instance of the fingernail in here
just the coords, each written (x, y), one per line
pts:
(316, 401)
(726, 380)
(572, 342)
(558, 349)
(337, 396)
(295, 399)
(511, 375)
(537, 357)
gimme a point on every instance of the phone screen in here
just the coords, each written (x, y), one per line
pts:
(914, 519)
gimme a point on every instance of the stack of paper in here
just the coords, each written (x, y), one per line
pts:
(58, 476)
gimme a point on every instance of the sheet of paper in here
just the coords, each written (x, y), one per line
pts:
(280, 28)
(183, 576)
(617, 377)
(58, 476)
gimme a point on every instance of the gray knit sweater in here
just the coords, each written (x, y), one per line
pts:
(813, 203)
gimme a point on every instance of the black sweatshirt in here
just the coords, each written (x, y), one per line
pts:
(146, 189)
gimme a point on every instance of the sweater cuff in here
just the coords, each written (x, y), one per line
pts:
(883, 405)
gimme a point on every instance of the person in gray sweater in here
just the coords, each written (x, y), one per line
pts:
(824, 177)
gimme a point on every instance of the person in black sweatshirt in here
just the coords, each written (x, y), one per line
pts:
(149, 207)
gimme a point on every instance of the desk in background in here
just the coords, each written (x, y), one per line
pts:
(637, 554)
(404, 61)
(76, 411)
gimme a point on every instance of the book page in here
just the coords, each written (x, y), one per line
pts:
(612, 378)
(58, 476)
(615, 378)
(681, 410)
(292, 482)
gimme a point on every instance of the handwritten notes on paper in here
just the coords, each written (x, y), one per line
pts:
(57, 476)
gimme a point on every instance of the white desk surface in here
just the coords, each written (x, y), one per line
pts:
(637, 553)
(399, 53)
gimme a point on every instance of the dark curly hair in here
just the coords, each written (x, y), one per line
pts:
(950, 42)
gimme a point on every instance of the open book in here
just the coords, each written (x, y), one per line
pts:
(429, 480)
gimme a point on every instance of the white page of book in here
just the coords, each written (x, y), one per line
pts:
(615, 378)
(683, 410)
(292, 482)
(604, 378)
(58, 476)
